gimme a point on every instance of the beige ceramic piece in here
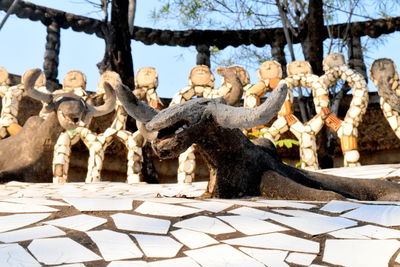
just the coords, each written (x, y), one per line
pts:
(74, 79)
(299, 67)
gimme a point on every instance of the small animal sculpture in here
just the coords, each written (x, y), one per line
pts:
(27, 156)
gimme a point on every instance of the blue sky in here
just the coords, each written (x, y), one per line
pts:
(22, 47)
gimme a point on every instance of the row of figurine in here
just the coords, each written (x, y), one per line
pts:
(235, 85)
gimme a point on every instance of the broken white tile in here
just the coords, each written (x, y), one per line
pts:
(276, 241)
(72, 265)
(366, 232)
(162, 209)
(193, 239)
(254, 213)
(128, 264)
(15, 255)
(286, 204)
(6, 207)
(11, 222)
(251, 226)
(158, 246)
(301, 258)
(36, 201)
(169, 200)
(103, 204)
(378, 214)
(221, 255)
(60, 250)
(274, 258)
(210, 206)
(114, 245)
(185, 261)
(81, 222)
(374, 253)
(31, 233)
(205, 224)
(339, 206)
(245, 203)
(140, 223)
(299, 213)
(315, 224)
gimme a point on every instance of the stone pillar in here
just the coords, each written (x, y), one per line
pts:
(50, 65)
(203, 55)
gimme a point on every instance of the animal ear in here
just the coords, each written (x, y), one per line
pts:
(239, 117)
(28, 80)
(110, 100)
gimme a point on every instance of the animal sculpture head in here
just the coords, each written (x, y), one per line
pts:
(71, 109)
(176, 128)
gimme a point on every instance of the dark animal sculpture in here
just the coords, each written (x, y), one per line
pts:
(27, 156)
(237, 166)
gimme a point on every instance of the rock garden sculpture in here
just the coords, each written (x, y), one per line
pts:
(299, 74)
(28, 155)
(384, 75)
(11, 97)
(237, 166)
(201, 83)
(336, 68)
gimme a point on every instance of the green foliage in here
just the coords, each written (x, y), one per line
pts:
(288, 143)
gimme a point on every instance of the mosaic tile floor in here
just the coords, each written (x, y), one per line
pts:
(116, 224)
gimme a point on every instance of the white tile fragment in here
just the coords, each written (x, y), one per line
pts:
(245, 203)
(274, 258)
(15, 255)
(378, 214)
(220, 256)
(36, 201)
(158, 246)
(339, 206)
(168, 200)
(301, 258)
(30, 233)
(60, 250)
(254, 213)
(15, 221)
(184, 262)
(128, 264)
(205, 224)
(114, 245)
(286, 204)
(193, 239)
(103, 204)
(366, 232)
(299, 213)
(6, 207)
(397, 259)
(276, 241)
(212, 206)
(72, 265)
(81, 222)
(251, 226)
(314, 224)
(162, 209)
(140, 223)
(363, 253)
